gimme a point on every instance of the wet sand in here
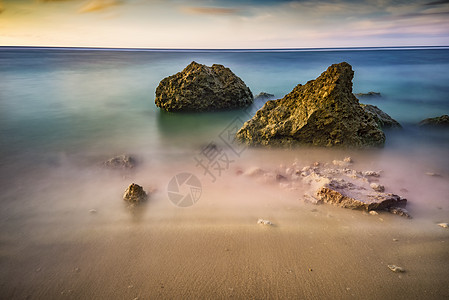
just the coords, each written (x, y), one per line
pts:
(56, 248)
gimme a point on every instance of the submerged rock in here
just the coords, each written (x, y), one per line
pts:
(323, 112)
(135, 194)
(202, 88)
(264, 96)
(369, 94)
(121, 162)
(382, 118)
(441, 121)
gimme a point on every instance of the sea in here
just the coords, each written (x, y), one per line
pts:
(64, 111)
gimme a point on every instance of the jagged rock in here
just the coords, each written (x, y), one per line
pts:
(121, 162)
(441, 121)
(323, 112)
(382, 118)
(264, 96)
(135, 194)
(202, 88)
(352, 196)
(369, 94)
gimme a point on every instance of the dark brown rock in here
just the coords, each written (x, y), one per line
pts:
(135, 194)
(369, 94)
(441, 121)
(202, 88)
(323, 112)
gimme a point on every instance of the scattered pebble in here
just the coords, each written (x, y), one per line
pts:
(348, 159)
(310, 270)
(77, 270)
(395, 268)
(93, 211)
(264, 222)
(395, 240)
(404, 190)
(373, 213)
(444, 225)
(433, 174)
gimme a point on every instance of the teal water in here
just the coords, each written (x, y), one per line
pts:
(85, 104)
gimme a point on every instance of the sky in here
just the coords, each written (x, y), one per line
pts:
(220, 24)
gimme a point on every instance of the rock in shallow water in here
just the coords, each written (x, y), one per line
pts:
(323, 112)
(135, 194)
(121, 162)
(441, 121)
(202, 88)
(383, 119)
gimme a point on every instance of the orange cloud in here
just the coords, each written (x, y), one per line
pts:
(97, 5)
(209, 10)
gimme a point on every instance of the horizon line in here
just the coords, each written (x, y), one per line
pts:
(230, 49)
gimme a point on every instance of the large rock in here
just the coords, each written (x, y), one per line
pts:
(383, 119)
(323, 112)
(441, 121)
(202, 88)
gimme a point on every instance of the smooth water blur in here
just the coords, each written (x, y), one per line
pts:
(68, 110)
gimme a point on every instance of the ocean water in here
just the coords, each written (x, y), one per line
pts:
(64, 111)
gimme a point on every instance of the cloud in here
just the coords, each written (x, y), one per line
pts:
(209, 10)
(441, 2)
(97, 5)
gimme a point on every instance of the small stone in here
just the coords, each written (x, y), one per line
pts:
(373, 213)
(348, 159)
(135, 194)
(316, 164)
(395, 240)
(92, 211)
(377, 187)
(395, 268)
(310, 269)
(264, 222)
(77, 270)
(444, 225)
(400, 212)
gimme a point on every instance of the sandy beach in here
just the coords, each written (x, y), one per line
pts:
(215, 248)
